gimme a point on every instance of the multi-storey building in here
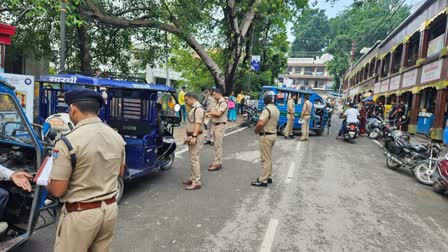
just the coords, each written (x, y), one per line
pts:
(409, 65)
(309, 73)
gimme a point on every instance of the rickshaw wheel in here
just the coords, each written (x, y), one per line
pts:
(170, 159)
(319, 132)
(120, 190)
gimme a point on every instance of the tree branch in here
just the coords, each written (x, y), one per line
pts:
(95, 13)
(248, 17)
(132, 10)
(232, 17)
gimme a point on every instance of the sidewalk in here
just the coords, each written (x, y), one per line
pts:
(179, 132)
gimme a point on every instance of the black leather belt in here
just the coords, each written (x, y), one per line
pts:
(266, 134)
(216, 124)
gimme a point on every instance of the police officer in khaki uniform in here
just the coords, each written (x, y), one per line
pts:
(267, 129)
(291, 111)
(194, 139)
(211, 103)
(305, 118)
(219, 118)
(87, 163)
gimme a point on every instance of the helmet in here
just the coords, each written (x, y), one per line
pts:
(268, 97)
(352, 105)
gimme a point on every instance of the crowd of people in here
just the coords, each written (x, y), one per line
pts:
(234, 103)
(366, 110)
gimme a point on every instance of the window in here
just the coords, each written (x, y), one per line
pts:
(414, 44)
(13, 128)
(161, 81)
(436, 35)
(298, 70)
(396, 59)
(386, 64)
(309, 70)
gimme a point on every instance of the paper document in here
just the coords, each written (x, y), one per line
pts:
(300, 121)
(43, 175)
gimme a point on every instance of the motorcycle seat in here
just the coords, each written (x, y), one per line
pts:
(417, 148)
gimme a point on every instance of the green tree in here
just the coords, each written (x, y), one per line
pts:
(217, 24)
(365, 23)
(311, 33)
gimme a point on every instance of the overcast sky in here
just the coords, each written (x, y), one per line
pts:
(333, 10)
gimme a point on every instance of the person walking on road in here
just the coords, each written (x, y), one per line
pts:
(291, 111)
(305, 118)
(232, 107)
(87, 164)
(194, 139)
(183, 108)
(210, 103)
(219, 118)
(239, 102)
(266, 128)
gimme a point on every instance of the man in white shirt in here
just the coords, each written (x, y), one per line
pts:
(351, 115)
(20, 179)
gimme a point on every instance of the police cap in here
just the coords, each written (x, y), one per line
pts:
(83, 94)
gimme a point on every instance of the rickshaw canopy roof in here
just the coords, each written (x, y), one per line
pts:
(77, 79)
(292, 90)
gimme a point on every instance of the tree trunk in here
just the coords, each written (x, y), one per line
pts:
(84, 51)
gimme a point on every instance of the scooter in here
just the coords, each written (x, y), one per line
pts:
(250, 115)
(351, 132)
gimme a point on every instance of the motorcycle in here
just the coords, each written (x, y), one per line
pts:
(383, 129)
(417, 157)
(440, 176)
(250, 115)
(351, 132)
(372, 126)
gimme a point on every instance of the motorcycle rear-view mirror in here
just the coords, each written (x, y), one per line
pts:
(177, 107)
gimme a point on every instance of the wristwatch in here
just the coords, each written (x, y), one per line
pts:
(194, 136)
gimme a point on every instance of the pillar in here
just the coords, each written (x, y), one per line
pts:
(391, 61)
(439, 114)
(414, 113)
(446, 32)
(424, 40)
(2, 58)
(405, 55)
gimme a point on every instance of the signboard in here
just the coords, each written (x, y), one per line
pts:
(435, 45)
(377, 88)
(384, 86)
(394, 83)
(431, 72)
(255, 63)
(24, 85)
(410, 78)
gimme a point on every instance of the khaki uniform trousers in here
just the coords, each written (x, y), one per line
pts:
(218, 135)
(289, 126)
(89, 230)
(266, 145)
(305, 127)
(194, 150)
(209, 131)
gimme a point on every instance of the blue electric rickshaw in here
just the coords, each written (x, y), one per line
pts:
(319, 115)
(23, 146)
(144, 114)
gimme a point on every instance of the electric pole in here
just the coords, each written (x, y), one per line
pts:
(62, 34)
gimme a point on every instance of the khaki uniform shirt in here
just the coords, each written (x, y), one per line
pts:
(196, 115)
(291, 107)
(221, 106)
(306, 110)
(100, 151)
(211, 103)
(271, 121)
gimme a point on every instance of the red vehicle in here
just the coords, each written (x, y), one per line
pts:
(440, 176)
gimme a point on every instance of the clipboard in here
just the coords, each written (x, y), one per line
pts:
(43, 174)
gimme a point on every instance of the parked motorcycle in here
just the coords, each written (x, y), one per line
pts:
(373, 124)
(417, 157)
(250, 115)
(440, 176)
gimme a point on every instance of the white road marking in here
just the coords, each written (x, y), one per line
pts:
(235, 131)
(269, 236)
(378, 143)
(185, 149)
(290, 173)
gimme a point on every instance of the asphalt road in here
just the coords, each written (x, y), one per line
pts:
(327, 195)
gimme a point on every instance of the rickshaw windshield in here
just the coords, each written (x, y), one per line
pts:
(12, 128)
(168, 102)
